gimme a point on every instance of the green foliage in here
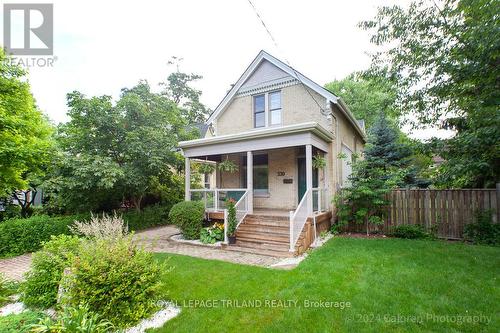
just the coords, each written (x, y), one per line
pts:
(212, 234)
(27, 235)
(364, 200)
(483, 231)
(188, 215)
(19, 323)
(228, 166)
(178, 89)
(409, 231)
(206, 168)
(73, 319)
(40, 288)
(10, 212)
(19, 236)
(367, 96)
(25, 134)
(319, 162)
(116, 279)
(115, 152)
(151, 216)
(231, 217)
(7, 288)
(444, 58)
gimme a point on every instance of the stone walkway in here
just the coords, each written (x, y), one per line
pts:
(156, 240)
(14, 268)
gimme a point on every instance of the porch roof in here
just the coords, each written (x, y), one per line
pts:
(260, 139)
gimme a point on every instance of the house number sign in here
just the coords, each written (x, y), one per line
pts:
(281, 173)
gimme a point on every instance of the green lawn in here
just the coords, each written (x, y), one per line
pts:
(391, 285)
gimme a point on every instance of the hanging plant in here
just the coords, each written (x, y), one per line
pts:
(228, 166)
(319, 162)
(206, 168)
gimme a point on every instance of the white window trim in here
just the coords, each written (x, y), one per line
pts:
(267, 111)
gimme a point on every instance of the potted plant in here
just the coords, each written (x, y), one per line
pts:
(231, 221)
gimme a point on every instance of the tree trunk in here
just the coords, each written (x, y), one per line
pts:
(367, 227)
(137, 203)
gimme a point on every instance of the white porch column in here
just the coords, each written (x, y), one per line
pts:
(187, 179)
(309, 178)
(250, 181)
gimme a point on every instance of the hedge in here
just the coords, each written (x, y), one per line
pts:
(19, 236)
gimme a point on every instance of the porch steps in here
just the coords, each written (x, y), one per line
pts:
(265, 235)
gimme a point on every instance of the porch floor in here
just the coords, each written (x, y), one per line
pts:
(271, 212)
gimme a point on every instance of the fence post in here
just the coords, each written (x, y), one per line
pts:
(498, 202)
(225, 226)
(292, 247)
(216, 199)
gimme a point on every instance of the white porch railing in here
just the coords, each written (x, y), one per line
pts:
(215, 199)
(298, 218)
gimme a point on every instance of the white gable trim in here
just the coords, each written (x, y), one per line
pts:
(289, 70)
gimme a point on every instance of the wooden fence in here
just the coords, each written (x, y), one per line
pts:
(445, 211)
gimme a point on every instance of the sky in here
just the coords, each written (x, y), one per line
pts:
(104, 46)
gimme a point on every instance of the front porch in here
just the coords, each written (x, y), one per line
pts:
(270, 178)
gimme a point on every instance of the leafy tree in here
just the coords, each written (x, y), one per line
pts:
(178, 88)
(367, 96)
(117, 153)
(25, 133)
(443, 56)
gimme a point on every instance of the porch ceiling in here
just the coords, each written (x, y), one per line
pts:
(260, 139)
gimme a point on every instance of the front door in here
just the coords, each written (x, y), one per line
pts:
(302, 185)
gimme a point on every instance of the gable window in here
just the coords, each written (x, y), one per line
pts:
(260, 174)
(267, 109)
(275, 108)
(259, 110)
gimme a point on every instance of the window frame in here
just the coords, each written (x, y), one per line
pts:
(267, 109)
(257, 192)
(254, 112)
(276, 109)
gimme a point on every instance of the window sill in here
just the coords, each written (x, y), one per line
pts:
(261, 195)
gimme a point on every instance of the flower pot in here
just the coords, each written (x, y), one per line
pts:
(231, 239)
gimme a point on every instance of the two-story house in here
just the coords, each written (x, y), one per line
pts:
(283, 134)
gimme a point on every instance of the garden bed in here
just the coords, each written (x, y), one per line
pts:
(180, 239)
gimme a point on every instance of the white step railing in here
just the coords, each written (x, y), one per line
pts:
(298, 219)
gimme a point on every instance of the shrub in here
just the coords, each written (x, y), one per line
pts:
(483, 231)
(42, 281)
(212, 234)
(7, 288)
(11, 212)
(19, 323)
(231, 217)
(20, 236)
(150, 216)
(188, 215)
(409, 231)
(73, 319)
(105, 227)
(116, 279)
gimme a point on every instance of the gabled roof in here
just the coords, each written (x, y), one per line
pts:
(263, 55)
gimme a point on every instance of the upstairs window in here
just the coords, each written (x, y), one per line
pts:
(267, 109)
(275, 108)
(259, 111)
